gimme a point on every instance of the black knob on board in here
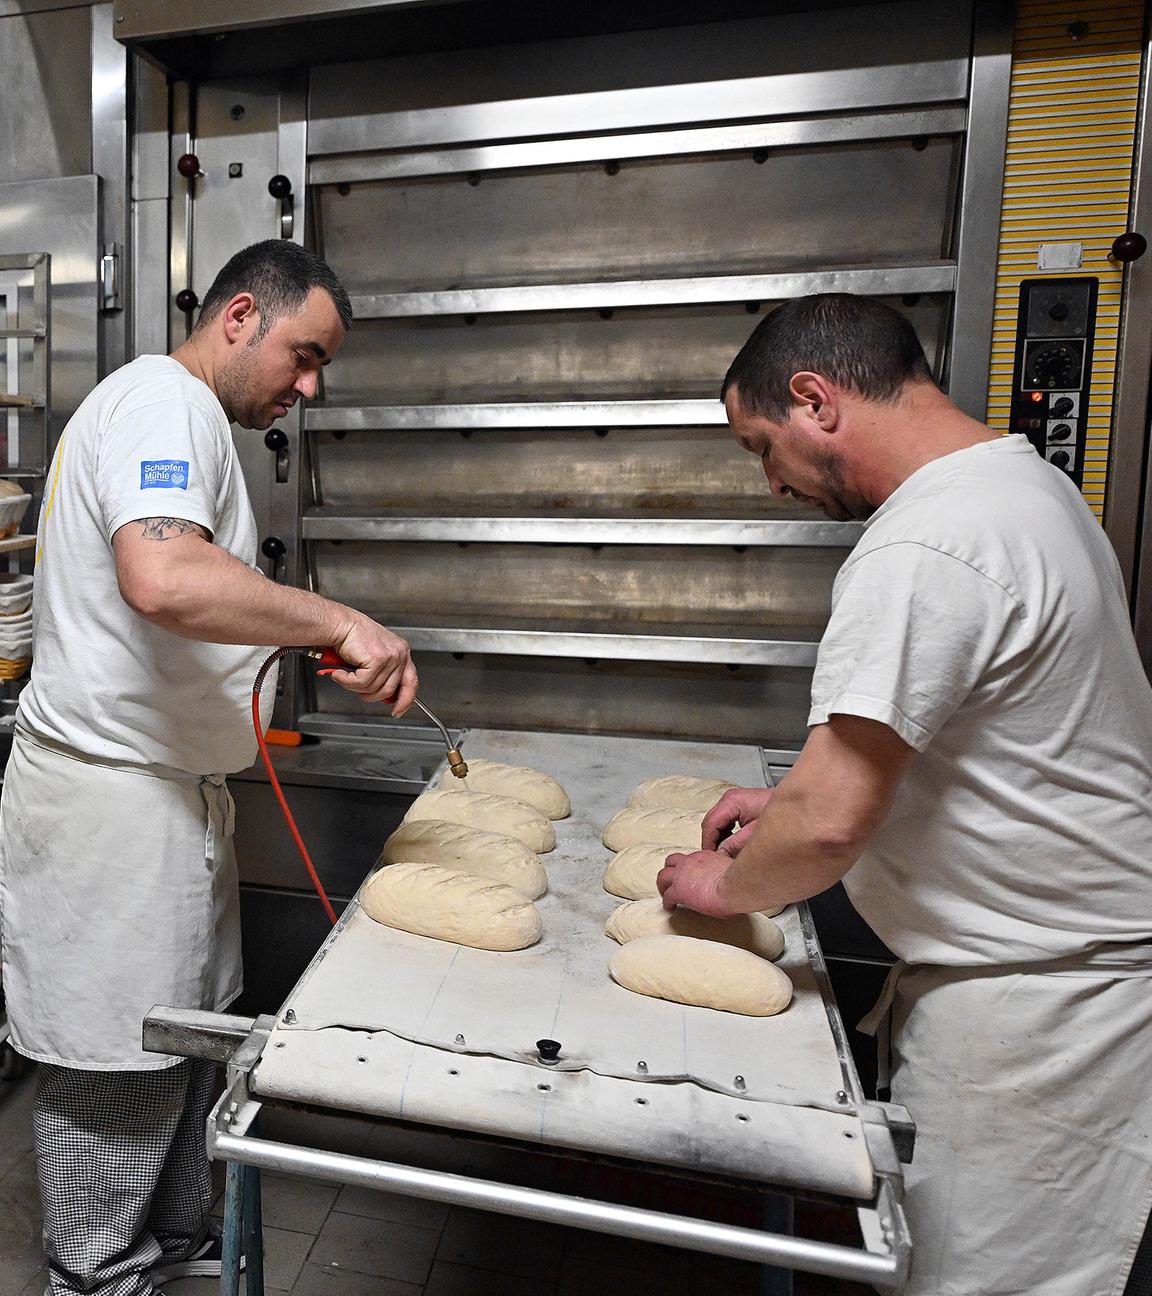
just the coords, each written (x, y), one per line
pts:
(280, 186)
(1062, 405)
(274, 548)
(276, 440)
(1060, 459)
(1129, 246)
(1058, 310)
(186, 300)
(1061, 432)
(189, 166)
(549, 1050)
(1055, 365)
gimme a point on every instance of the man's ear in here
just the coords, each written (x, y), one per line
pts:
(241, 318)
(817, 398)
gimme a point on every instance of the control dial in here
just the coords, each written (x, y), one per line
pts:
(1061, 459)
(1061, 432)
(1062, 405)
(1057, 365)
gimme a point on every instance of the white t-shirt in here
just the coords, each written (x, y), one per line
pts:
(150, 441)
(982, 617)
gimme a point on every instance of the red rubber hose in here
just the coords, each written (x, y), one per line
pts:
(291, 822)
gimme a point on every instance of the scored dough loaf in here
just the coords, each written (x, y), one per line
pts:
(643, 827)
(752, 932)
(496, 814)
(631, 874)
(701, 972)
(534, 788)
(471, 850)
(449, 905)
(678, 792)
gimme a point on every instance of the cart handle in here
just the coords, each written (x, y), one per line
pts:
(886, 1269)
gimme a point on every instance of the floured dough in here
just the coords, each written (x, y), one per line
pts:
(639, 827)
(701, 972)
(451, 906)
(486, 854)
(631, 875)
(752, 932)
(496, 814)
(541, 791)
(678, 792)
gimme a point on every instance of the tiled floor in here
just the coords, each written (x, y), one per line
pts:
(325, 1240)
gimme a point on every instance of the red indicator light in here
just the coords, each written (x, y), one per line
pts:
(1037, 396)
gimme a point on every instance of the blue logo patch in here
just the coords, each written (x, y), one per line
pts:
(164, 474)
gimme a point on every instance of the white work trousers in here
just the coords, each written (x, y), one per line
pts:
(1032, 1097)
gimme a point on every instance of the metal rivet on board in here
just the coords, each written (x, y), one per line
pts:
(740, 1083)
(841, 1096)
(290, 1016)
(642, 1066)
(459, 1039)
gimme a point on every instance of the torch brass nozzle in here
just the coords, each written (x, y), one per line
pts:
(456, 763)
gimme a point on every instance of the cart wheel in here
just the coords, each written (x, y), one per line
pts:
(12, 1065)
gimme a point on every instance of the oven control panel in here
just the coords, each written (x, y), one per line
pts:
(1053, 369)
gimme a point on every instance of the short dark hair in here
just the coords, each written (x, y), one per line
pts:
(279, 274)
(858, 343)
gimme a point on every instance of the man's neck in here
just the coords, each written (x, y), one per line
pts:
(924, 426)
(195, 360)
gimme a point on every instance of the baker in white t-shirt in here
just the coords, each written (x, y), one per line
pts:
(979, 772)
(118, 885)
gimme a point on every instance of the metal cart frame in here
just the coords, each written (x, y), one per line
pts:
(238, 1043)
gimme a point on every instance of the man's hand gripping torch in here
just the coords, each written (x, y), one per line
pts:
(329, 661)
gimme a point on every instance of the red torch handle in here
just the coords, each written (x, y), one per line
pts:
(331, 660)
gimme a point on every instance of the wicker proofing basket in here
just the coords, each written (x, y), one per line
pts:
(15, 644)
(14, 501)
(15, 597)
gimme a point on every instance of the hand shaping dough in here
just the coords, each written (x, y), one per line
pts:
(496, 814)
(644, 827)
(752, 932)
(488, 855)
(451, 906)
(701, 972)
(678, 792)
(631, 875)
(541, 791)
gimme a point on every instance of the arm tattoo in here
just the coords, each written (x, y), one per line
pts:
(168, 528)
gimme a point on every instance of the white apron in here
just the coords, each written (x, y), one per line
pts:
(118, 891)
(1032, 1096)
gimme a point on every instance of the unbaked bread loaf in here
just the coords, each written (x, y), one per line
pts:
(449, 905)
(640, 918)
(678, 792)
(521, 783)
(490, 813)
(471, 850)
(643, 827)
(632, 873)
(701, 972)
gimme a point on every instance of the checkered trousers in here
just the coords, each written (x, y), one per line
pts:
(124, 1176)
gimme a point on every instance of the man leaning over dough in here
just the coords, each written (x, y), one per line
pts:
(117, 876)
(979, 772)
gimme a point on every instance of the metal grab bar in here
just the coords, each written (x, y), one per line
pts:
(830, 1259)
